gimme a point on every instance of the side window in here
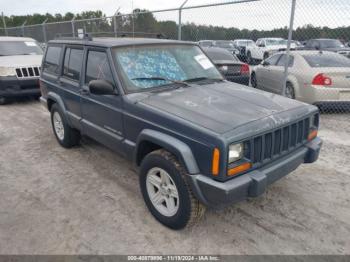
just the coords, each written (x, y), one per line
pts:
(97, 67)
(273, 59)
(73, 60)
(52, 60)
(282, 60)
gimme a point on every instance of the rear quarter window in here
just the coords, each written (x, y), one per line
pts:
(73, 60)
(327, 60)
(52, 60)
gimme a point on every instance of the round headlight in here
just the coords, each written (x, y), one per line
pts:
(235, 152)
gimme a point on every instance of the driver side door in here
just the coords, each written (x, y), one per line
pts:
(101, 114)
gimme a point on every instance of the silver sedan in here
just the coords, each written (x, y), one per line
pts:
(315, 77)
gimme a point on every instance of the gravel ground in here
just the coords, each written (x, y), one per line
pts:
(86, 200)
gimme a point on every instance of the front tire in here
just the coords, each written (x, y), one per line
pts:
(166, 193)
(250, 59)
(65, 135)
(253, 80)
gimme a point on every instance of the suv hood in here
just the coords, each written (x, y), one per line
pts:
(220, 107)
(20, 60)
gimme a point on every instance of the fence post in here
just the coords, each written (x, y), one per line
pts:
(22, 27)
(180, 22)
(115, 26)
(4, 23)
(290, 34)
(73, 26)
(44, 30)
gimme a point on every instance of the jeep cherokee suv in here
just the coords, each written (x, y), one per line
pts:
(20, 60)
(196, 139)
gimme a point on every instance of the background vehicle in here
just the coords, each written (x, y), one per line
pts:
(241, 45)
(264, 48)
(206, 43)
(226, 44)
(197, 139)
(315, 77)
(229, 65)
(326, 44)
(20, 60)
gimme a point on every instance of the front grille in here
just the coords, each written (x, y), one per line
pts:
(28, 72)
(266, 147)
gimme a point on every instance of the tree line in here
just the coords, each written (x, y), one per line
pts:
(143, 21)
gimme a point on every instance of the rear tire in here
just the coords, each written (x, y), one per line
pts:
(250, 59)
(289, 92)
(3, 100)
(266, 55)
(162, 178)
(65, 135)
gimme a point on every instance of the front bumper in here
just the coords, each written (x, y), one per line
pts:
(14, 87)
(252, 184)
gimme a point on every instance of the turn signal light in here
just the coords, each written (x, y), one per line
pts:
(239, 169)
(312, 134)
(215, 162)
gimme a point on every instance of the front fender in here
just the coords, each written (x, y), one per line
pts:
(181, 150)
(55, 97)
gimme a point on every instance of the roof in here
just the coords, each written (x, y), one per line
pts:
(308, 52)
(114, 42)
(12, 38)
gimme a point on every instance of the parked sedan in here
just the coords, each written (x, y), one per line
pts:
(229, 65)
(325, 44)
(316, 77)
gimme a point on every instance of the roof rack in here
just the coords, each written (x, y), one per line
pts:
(86, 37)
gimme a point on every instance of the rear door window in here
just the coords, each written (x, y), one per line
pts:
(327, 60)
(282, 61)
(273, 59)
(52, 60)
(73, 61)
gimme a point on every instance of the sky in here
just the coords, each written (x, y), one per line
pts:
(265, 14)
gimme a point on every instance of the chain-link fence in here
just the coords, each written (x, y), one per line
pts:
(255, 31)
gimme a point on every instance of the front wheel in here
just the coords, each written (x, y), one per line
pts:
(3, 100)
(166, 193)
(253, 80)
(65, 135)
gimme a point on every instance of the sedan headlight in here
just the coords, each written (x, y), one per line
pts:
(7, 71)
(235, 152)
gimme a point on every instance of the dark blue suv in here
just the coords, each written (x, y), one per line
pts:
(196, 139)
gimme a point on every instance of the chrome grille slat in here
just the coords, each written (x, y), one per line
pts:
(28, 72)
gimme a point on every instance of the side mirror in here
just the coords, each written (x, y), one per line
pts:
(265, 63)
(101, 87)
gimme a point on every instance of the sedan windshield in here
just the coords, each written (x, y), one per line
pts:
(275, 42)
(10, 48)
(146, 67)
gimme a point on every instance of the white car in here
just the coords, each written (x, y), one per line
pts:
(20, 61)
(263, 48)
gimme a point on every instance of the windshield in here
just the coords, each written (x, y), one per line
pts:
(327, 60)
(142, 67)
(9, 48)
(331, 43)
(275, 42)
(224, 44)
(245, 43)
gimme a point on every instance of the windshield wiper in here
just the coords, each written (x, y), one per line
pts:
(161, 79)
(197, 79)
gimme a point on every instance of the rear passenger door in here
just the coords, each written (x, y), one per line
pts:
(70, 82)
(102, 114)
